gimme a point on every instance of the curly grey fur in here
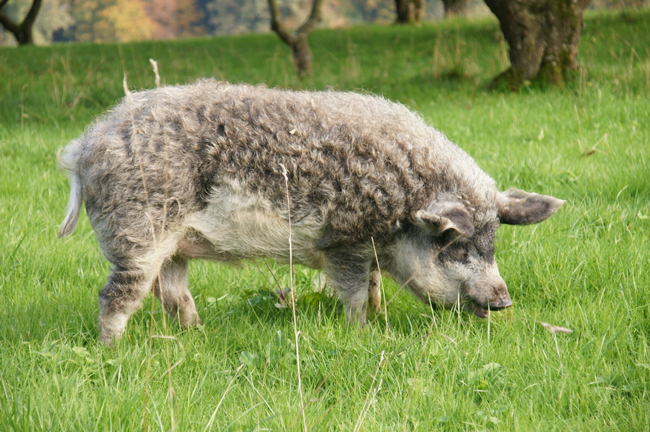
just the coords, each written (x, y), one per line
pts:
(195, 171)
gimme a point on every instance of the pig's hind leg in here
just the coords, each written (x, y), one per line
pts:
(120, 298)
(139, 269)
(126, 287)
(170, 286)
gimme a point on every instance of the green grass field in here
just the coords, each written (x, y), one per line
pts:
(587, 268)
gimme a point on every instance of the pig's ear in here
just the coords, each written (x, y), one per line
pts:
(445, 215)
(516, 207)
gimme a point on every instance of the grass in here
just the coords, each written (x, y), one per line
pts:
(587, 268)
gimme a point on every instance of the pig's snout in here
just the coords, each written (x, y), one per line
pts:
(502, 299)
(483, 311)
(501, 304)
(485, 299)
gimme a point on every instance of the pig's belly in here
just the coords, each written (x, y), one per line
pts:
(234, 227)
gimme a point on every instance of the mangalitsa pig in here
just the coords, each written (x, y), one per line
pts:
(196, 171)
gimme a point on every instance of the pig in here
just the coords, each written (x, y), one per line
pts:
(197, 172)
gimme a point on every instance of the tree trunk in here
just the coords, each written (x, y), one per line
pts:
(301, 56)
(409, 11)
(23, 31)
(297, 40)
(455, 7)
(543, 36)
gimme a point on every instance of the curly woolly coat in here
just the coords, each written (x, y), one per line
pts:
(356, 162)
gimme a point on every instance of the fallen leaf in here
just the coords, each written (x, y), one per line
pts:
(555, 329)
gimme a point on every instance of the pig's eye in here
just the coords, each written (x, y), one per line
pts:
(456, 252)
(447, 237)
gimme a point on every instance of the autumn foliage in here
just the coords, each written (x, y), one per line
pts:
(130, 20)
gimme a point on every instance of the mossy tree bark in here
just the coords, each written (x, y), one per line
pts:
(23, 31)
(409, 11)
(297, 40)
(455, 7)
(543, 36)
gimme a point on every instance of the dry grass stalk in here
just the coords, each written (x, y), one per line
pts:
(284, 295)
(214, 414)
(293, 301)
(182, 350)
(381, 285)
(369, 398)
(381, 363)
(386, 303)
(594, 148)
(129, 98)
(417, 370)
(154, 64)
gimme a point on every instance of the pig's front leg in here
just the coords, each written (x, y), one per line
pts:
(349, 274)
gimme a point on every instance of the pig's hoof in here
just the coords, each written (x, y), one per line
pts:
(374, 292)
(108, 340)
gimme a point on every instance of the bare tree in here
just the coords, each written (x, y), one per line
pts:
(297, 40)
(543, 36)
(409, 11)
(23, 31)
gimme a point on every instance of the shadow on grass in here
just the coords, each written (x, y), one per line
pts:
(407, 317)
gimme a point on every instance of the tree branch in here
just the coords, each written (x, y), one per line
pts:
(23, 31)
(8, 24)
(32, 14)
(278, 26)
(314, 18)
(297, 40)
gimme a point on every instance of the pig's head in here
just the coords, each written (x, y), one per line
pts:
(446, 256)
